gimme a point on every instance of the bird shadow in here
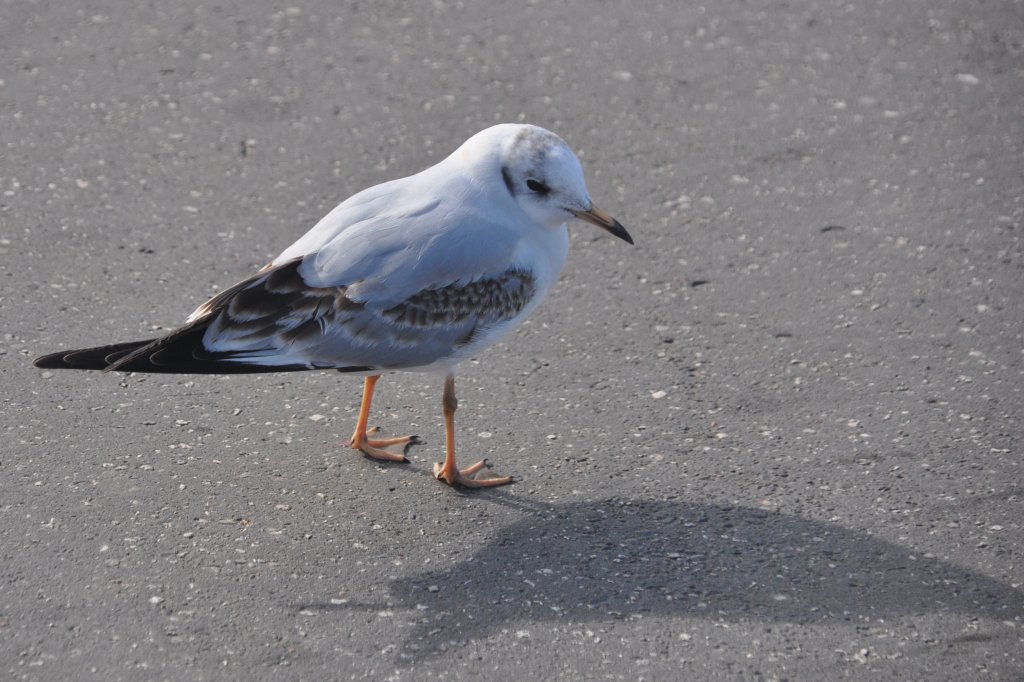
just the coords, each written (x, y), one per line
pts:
(621, 559)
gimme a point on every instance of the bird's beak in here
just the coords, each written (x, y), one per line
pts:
(596, 216)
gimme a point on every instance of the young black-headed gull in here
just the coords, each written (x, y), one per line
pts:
(416, 274)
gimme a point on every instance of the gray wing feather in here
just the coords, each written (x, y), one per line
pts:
(389, 243)
(278, 318)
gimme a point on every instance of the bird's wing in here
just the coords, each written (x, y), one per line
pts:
(391, 241)
(405, 288)
(279, 319)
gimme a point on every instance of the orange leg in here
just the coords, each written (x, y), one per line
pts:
(448, 472)
(374, 448)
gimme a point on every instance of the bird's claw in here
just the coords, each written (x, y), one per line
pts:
(453, 476)
(376, 448)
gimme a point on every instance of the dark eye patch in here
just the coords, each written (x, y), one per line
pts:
(537, 186)
(507, 177)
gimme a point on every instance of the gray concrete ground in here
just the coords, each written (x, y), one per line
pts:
(778, 439)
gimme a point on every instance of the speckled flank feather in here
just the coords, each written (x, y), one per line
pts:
(494, 299)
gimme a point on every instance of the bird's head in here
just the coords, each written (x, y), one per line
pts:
(542, 174)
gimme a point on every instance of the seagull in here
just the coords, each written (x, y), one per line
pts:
(416, 274)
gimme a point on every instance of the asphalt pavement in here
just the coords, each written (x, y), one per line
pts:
(780, 438)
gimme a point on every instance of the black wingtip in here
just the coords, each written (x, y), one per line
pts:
(97, 358)
(50, 361)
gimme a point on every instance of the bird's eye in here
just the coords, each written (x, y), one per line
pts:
(537, 186)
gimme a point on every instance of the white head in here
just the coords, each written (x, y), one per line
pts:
(540, 172)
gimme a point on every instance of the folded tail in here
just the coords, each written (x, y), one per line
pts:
(271, 305)
(99, 357)
(180, 352)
